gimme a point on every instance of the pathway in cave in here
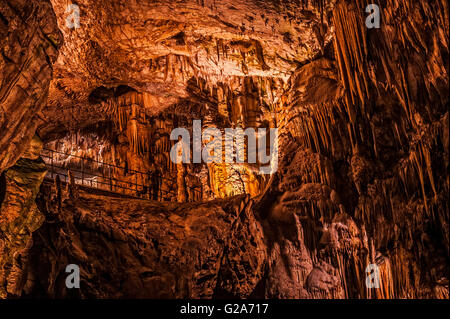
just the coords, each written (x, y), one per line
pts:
(103, 178)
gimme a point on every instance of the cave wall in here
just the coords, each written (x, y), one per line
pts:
(144, 249)
(19, 217)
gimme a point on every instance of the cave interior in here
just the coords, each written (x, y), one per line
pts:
(357, 175)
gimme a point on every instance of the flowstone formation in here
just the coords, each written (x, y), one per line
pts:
(87, 110)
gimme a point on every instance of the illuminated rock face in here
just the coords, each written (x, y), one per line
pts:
(363, 149)
(364, 171)
(147, 249)
(29, 40)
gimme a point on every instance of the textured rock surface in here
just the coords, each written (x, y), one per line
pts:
(19, 217)
(141, 249)
(147, 44)
(367, 176)
(145, 68)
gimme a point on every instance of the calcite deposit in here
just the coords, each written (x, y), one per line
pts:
(91, 91)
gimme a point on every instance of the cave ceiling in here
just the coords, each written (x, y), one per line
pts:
(156, 47)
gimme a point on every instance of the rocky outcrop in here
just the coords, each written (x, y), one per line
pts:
(363, 165)
(146, 68)
(128, 248)
(366, 181)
